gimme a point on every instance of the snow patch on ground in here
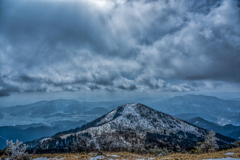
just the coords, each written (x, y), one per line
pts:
(65, 136)
(45, 139)
(91, 154)
(229, 153)
(96, 158)
(113, 155)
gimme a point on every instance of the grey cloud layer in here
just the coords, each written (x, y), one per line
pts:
(118, 45)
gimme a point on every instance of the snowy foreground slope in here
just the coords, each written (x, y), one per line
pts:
(129, 127)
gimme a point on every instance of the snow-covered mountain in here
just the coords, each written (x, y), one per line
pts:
(127, 127)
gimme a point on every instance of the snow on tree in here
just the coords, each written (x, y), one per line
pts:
(209, 144)
(237, 143)
(17, 151)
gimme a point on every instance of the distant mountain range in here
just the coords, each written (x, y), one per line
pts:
(185, 107)
(98, 110)
(210, 108)
(50, 111)
(43, 108)
(46, 118)
(128, 127)
(34, 131)
(227, 130)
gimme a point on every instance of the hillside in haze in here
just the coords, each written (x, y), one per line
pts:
(34, 131)
(227, 130)
(210, 108)
(184, 107)
(50, 111)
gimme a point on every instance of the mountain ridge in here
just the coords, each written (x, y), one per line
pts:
(208, 107)
(118, 129)
(227, 130)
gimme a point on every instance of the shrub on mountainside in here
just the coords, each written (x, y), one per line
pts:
(209, 144)
(17, 151)
(3, 152)
(158, 151)
(237, 143)
(81, 145)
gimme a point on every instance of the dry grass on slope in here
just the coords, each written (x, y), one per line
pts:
(234, 153)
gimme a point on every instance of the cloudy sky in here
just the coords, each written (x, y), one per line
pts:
(120, 47)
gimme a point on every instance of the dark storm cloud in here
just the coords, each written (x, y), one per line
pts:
(131, 88)
(118, 45)
(4, 93)
(94, 87)
(6, 89)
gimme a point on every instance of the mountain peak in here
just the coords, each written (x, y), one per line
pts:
(140, 118)
(149, 126)
(130, 106)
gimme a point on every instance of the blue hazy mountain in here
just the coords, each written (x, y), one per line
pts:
(50, 111)
(98, 110)
(227, 130)
(34, 131)
(42, 108)
(210, 108)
